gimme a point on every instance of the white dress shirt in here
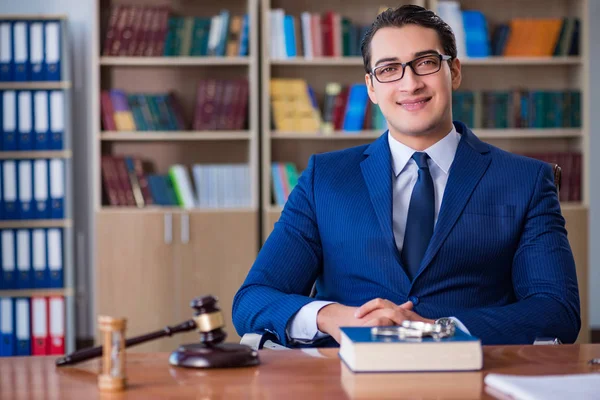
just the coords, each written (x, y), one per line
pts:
(303, 326)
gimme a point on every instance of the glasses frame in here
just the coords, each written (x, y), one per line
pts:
(442, 57)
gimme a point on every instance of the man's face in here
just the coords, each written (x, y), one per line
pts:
(414, 105)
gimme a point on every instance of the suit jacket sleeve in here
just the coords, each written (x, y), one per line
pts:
(279, 282)
(544, 280)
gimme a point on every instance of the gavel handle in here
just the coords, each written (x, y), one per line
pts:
(92, 352)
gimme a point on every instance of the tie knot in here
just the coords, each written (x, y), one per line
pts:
(421, 159)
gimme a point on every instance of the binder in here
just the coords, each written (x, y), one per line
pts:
(52, 61)
(21, 51)
(39, 257)
(8, 259)
(41, 108)
(1, 196)
(55, 258)
(25, 117)
(22, 327)
(39, 326)
(56, 315)
(57, 120)
(9, 190)
(24, 259)
(57, 188)
(25, 189)
(40, 189)
(6, 52)
(36, 51)
(9, 120)
(7, 332)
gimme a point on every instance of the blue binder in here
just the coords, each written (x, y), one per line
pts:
(10, 190)
(355, 109)
(40, 189)
(6, 51)
(25, 120)
(52, 50)
(7, 332)
(9, 120)
(20, 51)
(36, 50)
(26, 205)
(24, 274)
(8, 259)
(22, 326)
(41, 120)
(56, 115)
(57, 188)
(39, 258)
(1, 202)
(54, 248)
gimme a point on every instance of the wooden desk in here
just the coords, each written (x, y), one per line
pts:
(287, 374)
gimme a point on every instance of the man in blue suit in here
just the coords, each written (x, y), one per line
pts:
(426, 223)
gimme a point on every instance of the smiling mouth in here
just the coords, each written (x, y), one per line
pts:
(413, 103)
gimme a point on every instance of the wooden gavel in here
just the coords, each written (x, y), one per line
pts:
(207, 320)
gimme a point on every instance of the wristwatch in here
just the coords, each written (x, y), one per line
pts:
(447, 324)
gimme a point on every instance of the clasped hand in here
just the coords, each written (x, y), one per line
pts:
(377, 312)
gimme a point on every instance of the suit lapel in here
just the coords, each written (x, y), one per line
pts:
(468, 167)
(378, 175)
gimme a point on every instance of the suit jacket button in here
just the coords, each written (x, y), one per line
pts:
(414, 300)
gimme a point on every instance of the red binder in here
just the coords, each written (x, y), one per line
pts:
(56, 313)
(39, 326)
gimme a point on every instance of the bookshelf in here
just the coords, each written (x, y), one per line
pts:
(152, 261)
(493, 73)
(49, 143)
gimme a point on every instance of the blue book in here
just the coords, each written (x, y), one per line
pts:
(358, 98)
(7, 64)
(7, 331)
(290, 36)
(22, 326)
(20, 36)
(52, 50)
(362, 351)
(476, 34)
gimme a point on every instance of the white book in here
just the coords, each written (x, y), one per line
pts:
(306, 35)
(181, 180)
(550, 387)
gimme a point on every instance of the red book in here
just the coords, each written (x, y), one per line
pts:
(39, 326)
(327, 22)
(339, 109)
(107, 111)
(56, 315)
(112, 29)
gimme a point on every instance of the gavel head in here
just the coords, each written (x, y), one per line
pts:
(209, 320)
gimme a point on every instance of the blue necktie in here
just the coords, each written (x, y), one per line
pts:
(420, 219)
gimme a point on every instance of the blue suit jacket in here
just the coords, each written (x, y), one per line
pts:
(499, 259)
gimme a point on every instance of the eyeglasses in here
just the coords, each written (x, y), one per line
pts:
(421, 66)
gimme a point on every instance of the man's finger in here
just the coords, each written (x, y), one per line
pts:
(407, 306)
(372, 306)
(379, 321)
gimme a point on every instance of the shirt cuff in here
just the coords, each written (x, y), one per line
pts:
(460, 325)
(302, 328)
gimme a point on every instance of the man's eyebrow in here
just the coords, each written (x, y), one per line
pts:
(417, 54)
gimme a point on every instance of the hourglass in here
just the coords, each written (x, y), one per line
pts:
(112, 377)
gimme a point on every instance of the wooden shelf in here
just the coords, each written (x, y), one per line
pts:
(173, 61)
(35, 85)
(173, 135)
(488, 61)
(174, 210)
(36, 223)
(67, 292)
(29, 17)
(481, 133)
(12, 155)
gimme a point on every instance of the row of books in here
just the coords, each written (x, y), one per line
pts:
(131, 181)
(518, 108)
(156, 31)
(221, 104)
(296, 108)
(32, 120)
(570, 164)
(140, 112)
(313, 35)
(32, 326)
(31, 50)
(516, 37)
(32, 189)
(31, 258)
(284, 177)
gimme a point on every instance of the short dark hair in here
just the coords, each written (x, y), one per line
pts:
(404, 15)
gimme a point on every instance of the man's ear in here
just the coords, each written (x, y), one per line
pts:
(370, 88)
(456, 73)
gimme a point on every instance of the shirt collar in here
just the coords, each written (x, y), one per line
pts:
(442, 152)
